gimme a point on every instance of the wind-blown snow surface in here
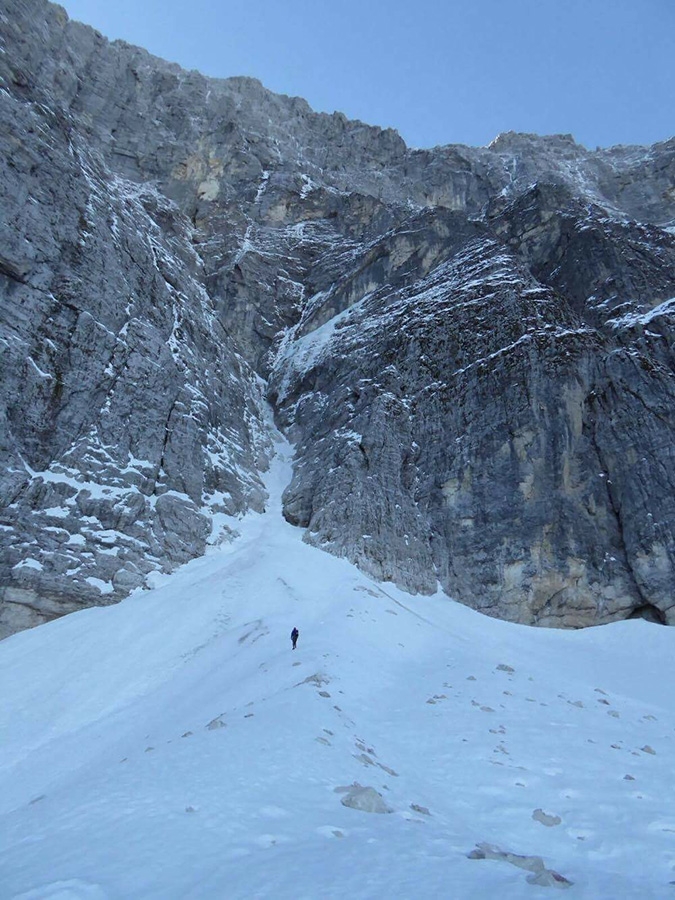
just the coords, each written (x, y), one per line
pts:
(174, 746)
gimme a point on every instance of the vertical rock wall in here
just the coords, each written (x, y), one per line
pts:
(472, 348)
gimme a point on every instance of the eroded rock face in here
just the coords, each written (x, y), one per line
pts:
(472, 348)
(128, 416)
(486, 438)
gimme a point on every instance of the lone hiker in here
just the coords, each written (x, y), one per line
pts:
(295, 634)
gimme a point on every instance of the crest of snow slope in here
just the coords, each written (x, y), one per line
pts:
(173, 746)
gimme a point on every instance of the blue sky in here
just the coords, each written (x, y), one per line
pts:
(439, 71)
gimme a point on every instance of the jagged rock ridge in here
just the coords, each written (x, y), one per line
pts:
(472, 348)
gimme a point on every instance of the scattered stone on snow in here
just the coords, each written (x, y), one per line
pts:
(366, 799)
(546, 818)
(534, 864)
(420, 809)
(216, 723)
(318, 679)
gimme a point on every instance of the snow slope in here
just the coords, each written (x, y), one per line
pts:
(174, 746)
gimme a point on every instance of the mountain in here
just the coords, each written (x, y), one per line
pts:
(471, 349)
(174, 745)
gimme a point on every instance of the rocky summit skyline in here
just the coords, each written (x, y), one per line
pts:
(471, 349)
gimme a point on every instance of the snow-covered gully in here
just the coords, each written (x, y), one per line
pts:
(174, 746)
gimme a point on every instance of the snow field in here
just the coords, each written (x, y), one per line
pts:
(174, 746)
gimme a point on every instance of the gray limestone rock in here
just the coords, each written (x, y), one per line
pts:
(487, 435)
(540, 875)
(365, 799)
(547, 819)
(471, 348)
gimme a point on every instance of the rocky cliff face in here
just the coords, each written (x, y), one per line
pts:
(472, 348)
